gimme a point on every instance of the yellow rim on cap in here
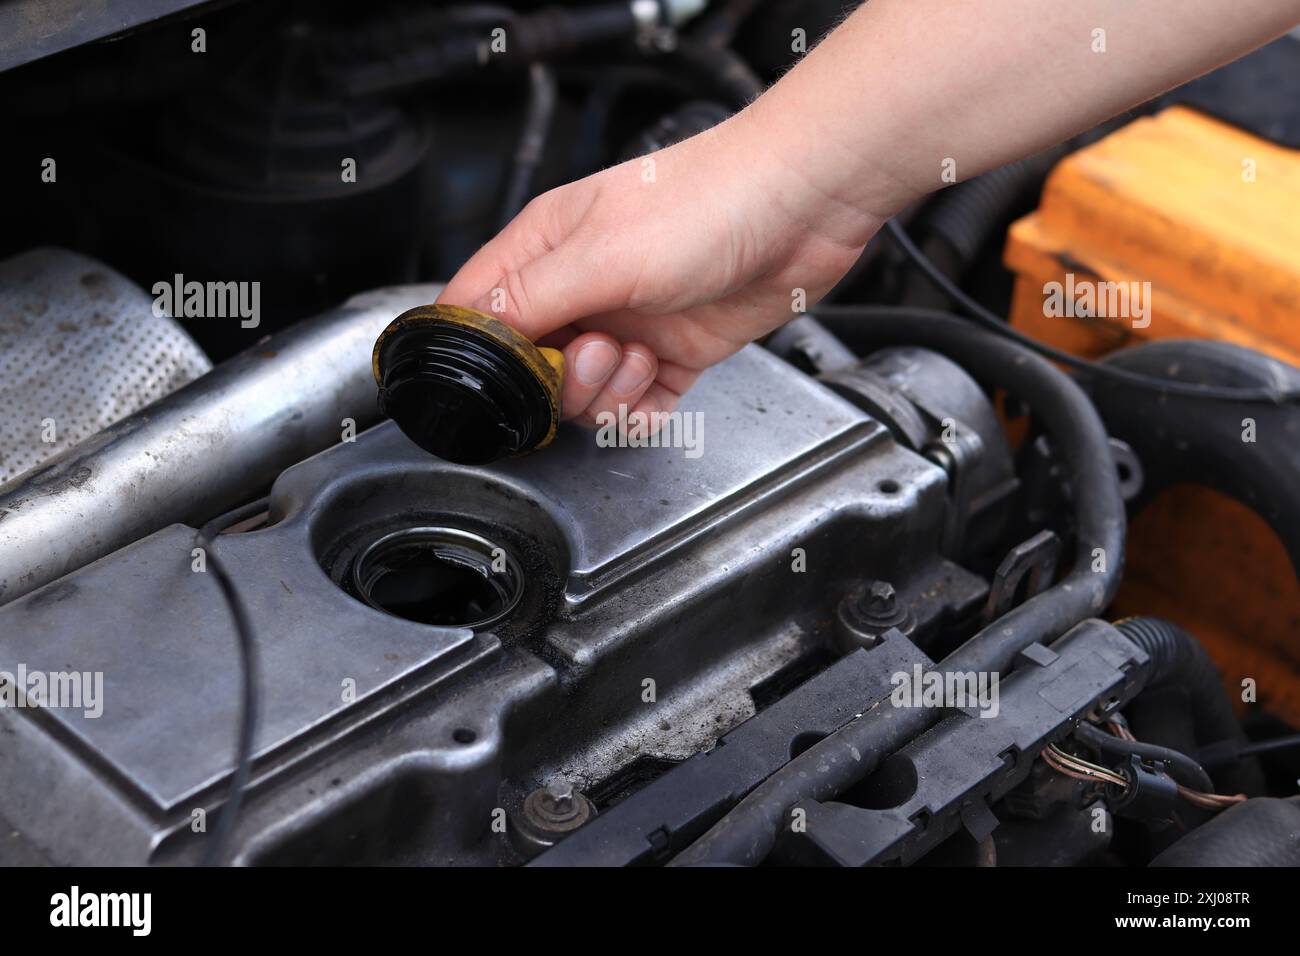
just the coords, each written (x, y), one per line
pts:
(545, 364)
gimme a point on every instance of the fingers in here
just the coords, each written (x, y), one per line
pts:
(657, 398)
(590, 360)
(632, 379)
(574, 281)
(647, 415)
(544, 270)
(538, 295)
(551, 268)
(676, 381)
(496, 257)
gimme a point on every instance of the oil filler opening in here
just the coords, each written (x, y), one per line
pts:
(438, 575)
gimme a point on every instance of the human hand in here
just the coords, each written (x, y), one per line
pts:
(649, 272)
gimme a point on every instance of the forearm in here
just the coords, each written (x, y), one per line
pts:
(650, 271)
(906, 89)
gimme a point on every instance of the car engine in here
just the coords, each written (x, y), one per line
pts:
(890, 587)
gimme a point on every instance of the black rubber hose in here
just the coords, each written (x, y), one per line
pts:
(718, 27)
(542, 95)
(1260, 832)
(543, 35)
(1076, 430)
(747, 833)
(723, 74)
(1179, 659)
(1181, 767)
(1187, 439)
(968, 215)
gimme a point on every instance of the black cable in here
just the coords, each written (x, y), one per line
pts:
(223, 521)
(215, 852)
(1227, 753)
(1289, 742)
(993, 323)
(1181, 767)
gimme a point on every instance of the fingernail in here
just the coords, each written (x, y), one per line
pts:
(631, 375)
(594, 362)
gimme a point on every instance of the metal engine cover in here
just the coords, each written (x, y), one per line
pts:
(664, 598)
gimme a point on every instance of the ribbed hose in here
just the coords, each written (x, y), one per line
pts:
(968, 215)
(1185, 705)
(746, 834)
(1177, 658)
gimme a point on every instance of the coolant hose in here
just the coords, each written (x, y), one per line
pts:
(747, 833)
(1179, 659)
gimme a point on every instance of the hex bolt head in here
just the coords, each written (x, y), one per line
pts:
(881, 598)
(548, 814)
(557, 796)
(868, 612)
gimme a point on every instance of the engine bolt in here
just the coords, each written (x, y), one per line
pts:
(557, 798)
(868, 612)
(548, 814)
(881, 599)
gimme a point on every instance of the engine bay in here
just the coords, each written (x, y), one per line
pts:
(861, 600)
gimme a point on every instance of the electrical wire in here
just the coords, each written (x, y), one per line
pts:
(994, 323)
(1076, 767)
(1181, 767)
(1071, 766)
(215, 852)
(746, 833)
(1210, 801)
(1227, 752)
(1118, 726)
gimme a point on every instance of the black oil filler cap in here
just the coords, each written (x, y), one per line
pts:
(465, 386)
